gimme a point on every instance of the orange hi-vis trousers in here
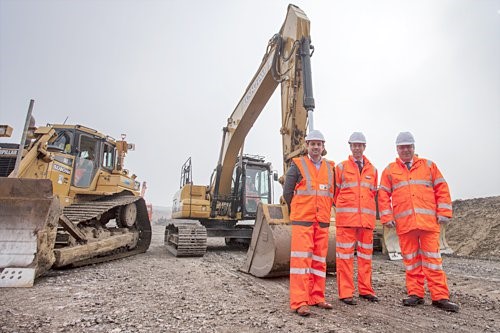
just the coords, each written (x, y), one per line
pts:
(422, 260)
(346, 239)
(309, 248)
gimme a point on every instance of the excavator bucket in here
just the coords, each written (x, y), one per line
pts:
(269, 251)
(444, 248)
(390, 245)
(29, 214)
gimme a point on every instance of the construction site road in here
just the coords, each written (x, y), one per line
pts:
(157, 292)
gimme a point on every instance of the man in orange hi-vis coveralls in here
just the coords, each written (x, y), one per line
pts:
(356, 185)
(308, 190)
(420, 202)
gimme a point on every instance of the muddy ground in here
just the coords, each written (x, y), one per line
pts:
(156, 292)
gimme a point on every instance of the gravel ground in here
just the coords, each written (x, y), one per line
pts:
(156, 292)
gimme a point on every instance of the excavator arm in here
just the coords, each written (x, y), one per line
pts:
(286, 62)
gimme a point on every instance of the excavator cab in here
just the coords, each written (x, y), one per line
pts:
(252, 184)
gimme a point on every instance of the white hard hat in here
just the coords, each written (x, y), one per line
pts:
(315, 135)
(405, 138)
(357, 137)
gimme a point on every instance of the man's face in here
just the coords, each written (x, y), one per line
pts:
(406, 152)
(357, 150)
(315, 148)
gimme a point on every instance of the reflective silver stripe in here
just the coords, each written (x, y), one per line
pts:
(302, 223)
(319, 193)
(338, 185)
(425, 211)
(421, 182)
(324, 194)
(347, 210)
(429, 163)
(345, 245)
(412, 267)
(411, 255)
(400, 184)
(404, 213)
(365, 245)
(368, 211)
(303, 271)
(436, 255)
(305, 192)
(330, 173)
(300, 254)
(364, 256)
(385, 212)
(432, 266)
(344, 256)
(444, 205)
(365, 184)
(307, 174)
(439, 180)
(388, 190)
(318, 272)
(349, 185)
(341, 167)
(318, 258)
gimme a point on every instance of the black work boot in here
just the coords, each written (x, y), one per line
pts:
(446, 305)
(348, 301)
(413, 300)
(368, 297)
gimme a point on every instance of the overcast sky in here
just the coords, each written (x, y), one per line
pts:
(169, 74)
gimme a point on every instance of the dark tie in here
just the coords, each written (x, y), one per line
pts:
(408, 165)
(360, 167)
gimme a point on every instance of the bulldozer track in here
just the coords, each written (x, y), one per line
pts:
(86, 211)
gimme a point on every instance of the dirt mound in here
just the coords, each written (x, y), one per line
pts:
(475, 228)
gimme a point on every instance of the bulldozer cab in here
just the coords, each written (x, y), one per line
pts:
(89, 152)
(87, 160)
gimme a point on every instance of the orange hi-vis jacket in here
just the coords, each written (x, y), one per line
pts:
(313, 197)
(355, 194)
(419, 195)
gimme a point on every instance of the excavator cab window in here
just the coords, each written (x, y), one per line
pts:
(85, 161)
(257, 189)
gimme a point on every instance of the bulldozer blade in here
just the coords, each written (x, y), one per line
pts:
(390, 245)
(269, 251)
(29, 214)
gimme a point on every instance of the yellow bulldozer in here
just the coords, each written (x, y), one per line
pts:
(65, 201)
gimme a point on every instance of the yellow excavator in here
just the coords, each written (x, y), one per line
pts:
(241, 185)
(217, 210)
(65, 201)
